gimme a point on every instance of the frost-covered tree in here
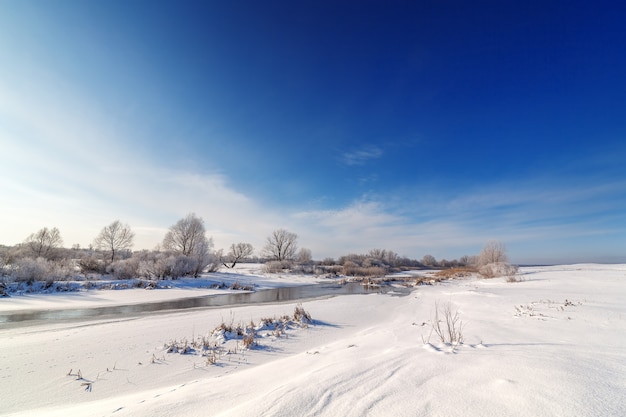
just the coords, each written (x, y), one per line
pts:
(429, 260)
(493, 252)
(238, 252)
(44, 243)
(493, 261)
(281, 245)
(187, 238)
(114, 238)
(305, 256)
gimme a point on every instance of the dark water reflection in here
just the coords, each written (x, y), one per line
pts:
(265, 296)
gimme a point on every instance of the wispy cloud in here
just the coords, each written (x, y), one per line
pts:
(75, 169)
(368, 224)
(535, 220)
(361, 156)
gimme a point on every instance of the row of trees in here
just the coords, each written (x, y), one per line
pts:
(186, 251)
(186, 237)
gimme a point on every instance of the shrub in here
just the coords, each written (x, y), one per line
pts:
(91, 265)
(273, 267)
(62, 269)
(497, 269)
(307, 269)
(455, 273)
(124, 269)
(448, 325)
(514, 278)
(300, 315)
(493, 252)
(29, 270)
(180, 265)
(248, 340)
(332, 269)
(367, 270)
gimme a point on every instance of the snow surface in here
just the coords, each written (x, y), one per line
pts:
(551, 345)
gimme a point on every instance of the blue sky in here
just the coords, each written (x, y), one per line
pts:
(420, 127)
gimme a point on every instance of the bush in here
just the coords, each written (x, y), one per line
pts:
(455, 273)
(448, 325)
(512, 276)
(62, 269)
(91, 265)
(497, 269)
(332, 269)
(352, 269)
(273, 267)
(124, 269)
(29, 270)
(307, 269)
(180, 265)
(248, 341)
(301, 316)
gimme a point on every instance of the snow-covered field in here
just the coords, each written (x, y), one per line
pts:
(551, 345)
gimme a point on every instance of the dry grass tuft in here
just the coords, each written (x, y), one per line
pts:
(447, 325)
(301, 316)
(248, 341)
(452, 273)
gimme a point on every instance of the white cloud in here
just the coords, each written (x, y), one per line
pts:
(365, 225)
(361, 156)
(532, 218)
(64, 164)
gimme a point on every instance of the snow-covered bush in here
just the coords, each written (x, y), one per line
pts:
(493, 261)
(5, 270)
(91, 265)
(180, 265)
(160, 265)
(514, 278)
(350, 268)
(493, 252)
(273, 267)
(497, 269)
(29, 270)
(148, 269)
(124, 269)
(307, 269)
(301, 316)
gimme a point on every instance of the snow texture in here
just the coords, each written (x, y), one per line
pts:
(552, 344)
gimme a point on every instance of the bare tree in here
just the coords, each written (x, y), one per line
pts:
(305, 256)
(237, 253)
(114, 238)
(281, 245)
(44, 243)
(429, 260)
(493, 252)
(186, 236)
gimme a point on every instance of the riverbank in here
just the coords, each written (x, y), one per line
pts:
(107, 292)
